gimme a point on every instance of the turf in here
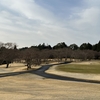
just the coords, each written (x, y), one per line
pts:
(80, 68)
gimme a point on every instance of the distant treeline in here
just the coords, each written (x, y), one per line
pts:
(35, 55)
(84, 46)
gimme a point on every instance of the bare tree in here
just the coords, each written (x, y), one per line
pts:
(7, 53)
(31, 57)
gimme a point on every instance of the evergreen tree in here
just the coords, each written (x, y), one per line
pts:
(98, 46)
(60, 45)
(86, 46)
(73, 47)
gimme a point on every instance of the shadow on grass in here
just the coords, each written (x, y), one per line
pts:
(41, 72)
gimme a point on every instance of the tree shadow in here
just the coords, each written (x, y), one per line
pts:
(13, 73)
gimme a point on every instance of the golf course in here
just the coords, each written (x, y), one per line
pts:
(52, 84)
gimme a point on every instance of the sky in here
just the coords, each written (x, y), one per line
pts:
(33, 22)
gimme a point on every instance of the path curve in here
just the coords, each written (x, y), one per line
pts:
(41, 72)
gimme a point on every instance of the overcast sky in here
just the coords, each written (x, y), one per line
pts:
(31, 22)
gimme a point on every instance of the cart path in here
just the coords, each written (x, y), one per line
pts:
(41, 72)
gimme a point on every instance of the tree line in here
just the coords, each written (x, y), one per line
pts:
(84, 46)
(42, 53)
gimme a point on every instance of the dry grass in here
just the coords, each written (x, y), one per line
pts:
(32, 87)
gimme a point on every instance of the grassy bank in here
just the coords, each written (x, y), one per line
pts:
(80, 68)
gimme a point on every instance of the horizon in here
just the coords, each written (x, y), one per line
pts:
(46, 44)
(32, 22)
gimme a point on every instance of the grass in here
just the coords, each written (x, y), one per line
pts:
(80, 68)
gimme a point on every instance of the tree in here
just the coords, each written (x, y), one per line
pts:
(89, 46)
(98, 46)
(10, 45)
(24, 48)
(94, 47)
(73, 47)
(43, 46)
(45, 55)
(7, 56)
(8, 53)
(86, 46)
(31, 57)
(60, 45)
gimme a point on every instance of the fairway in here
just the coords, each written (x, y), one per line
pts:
(80, 68)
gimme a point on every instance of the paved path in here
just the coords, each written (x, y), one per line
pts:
(41, 72)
